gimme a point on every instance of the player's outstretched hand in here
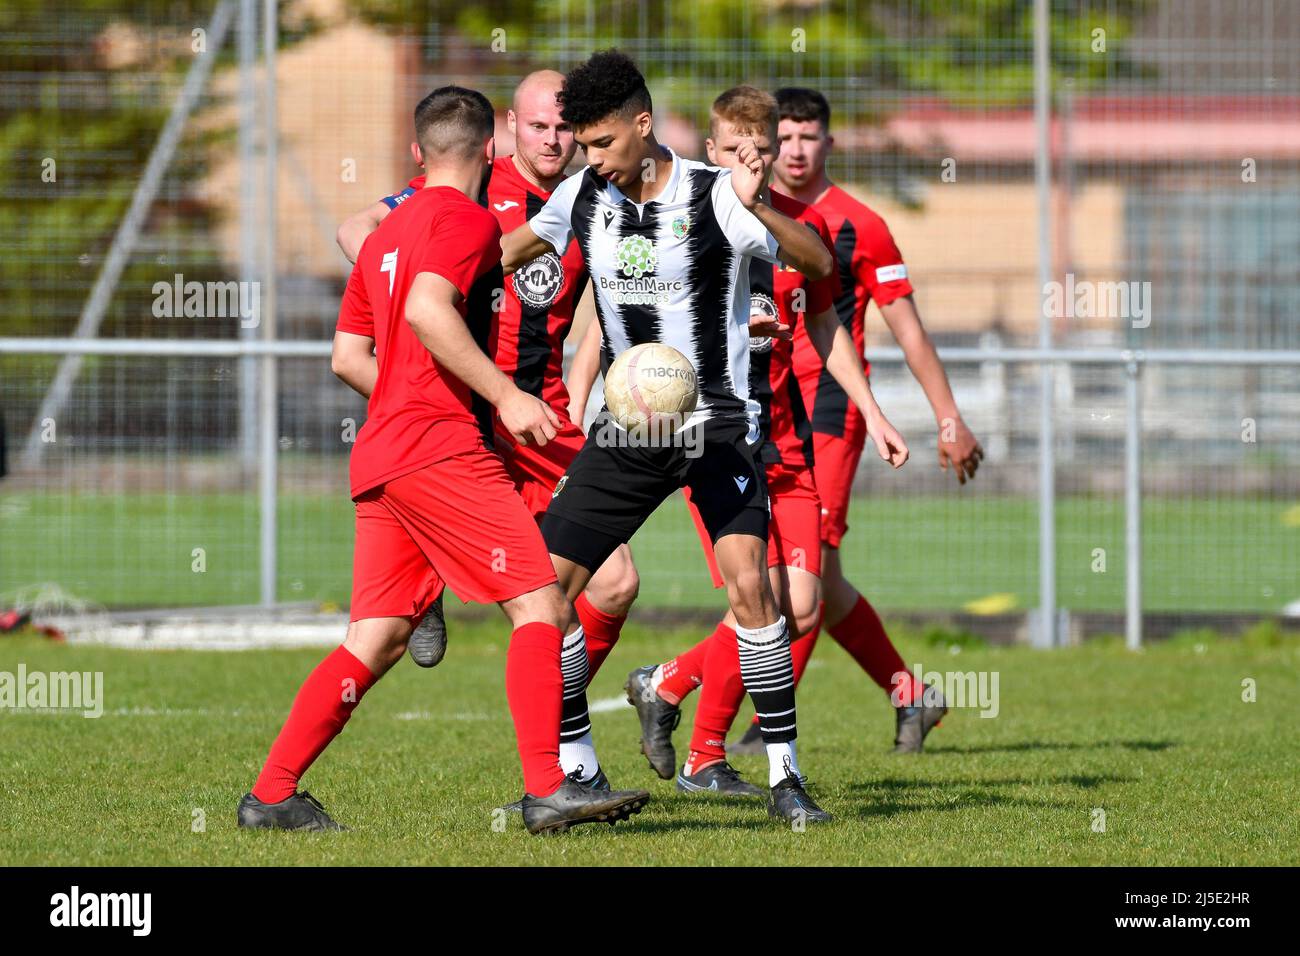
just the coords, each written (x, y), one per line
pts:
(766, 326)
(747, 175)
(889, 443)
(528, 418)
(958, 447)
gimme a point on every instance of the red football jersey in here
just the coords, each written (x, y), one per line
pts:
(536, 312)
(870, 267)
(418, 413)
(776, 289)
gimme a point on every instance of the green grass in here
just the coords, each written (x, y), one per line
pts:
(906, 553)
(1186, 772)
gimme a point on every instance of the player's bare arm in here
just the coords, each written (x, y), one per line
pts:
(800, 247)
(353, 360)
(832, 342)
(583, 371)
(521, 245)
(354, 230)
(957, 445)
(431, 313)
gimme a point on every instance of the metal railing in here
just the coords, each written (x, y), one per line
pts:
(1133, 362)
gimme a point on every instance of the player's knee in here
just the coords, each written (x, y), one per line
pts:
(750, 595)
(616, 595)
(546, 605)
(379, 640)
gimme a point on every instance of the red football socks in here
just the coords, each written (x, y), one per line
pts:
(720, 700)
(323, 705)
(863, 636)
(683, 673)
(601, 631)
(535, 692)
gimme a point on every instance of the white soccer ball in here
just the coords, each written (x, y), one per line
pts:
(651, 385)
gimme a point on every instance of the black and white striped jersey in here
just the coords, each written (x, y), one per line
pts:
(673, 270)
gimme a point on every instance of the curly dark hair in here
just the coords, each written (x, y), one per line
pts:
(607, 83)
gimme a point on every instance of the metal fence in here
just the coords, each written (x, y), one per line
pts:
(196, 457)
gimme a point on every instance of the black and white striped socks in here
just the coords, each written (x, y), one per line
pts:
(768, 674)
(576, 746)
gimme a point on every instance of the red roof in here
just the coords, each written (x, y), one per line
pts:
(1128, 128)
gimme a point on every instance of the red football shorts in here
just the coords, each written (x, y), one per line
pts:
(458, 521)
(835, 462)
(536, 470)
(794, 531)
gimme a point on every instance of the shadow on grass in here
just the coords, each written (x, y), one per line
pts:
(688, 812)
(892, 808)
(1086, 781)
(965, 794)
(760, 821)
(1030, 745)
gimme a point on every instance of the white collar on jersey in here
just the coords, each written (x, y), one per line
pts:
(616, 195)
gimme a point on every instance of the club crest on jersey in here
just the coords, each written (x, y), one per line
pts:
(538, 284)
(560, 486)
(636, 256)
(681, 226)
(760, 304)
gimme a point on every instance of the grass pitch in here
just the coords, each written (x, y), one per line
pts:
(1185, 771)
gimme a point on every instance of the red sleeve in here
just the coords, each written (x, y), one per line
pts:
(823, 293)
(879, 265)
(355, 315)
(466, 243)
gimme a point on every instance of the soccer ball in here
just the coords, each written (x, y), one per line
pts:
(651, 385)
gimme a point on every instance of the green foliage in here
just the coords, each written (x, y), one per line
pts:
(1269, 634)
(862, 53)
(964, 51)
(949, 638)
(75, 134)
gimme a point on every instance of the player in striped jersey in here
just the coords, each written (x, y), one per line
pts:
(530, 318)
(667, 241)
(782, 301)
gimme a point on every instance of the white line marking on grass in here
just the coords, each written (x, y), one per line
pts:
(430, 715)
(463, 715)
(607, 704)
(138, 712)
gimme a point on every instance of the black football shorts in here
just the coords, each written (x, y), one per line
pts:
(613, 486)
